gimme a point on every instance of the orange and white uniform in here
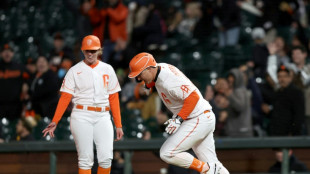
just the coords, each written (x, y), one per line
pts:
(174, 87)
(196, 131)
(193, 121)
(93, 89)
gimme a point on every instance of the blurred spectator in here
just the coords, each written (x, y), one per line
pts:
(277, 56)
(256, 99)
(281, 50)
(260, 53)
(295, 165)
(287, 12)
(12, 88)
(173, 16)
(289, 107)
(150, 35)
(269, 20)
(127, 93)
(61, 57)
(228, 15)
(268, 91)
(192, 14)
(239, 120)
(303, 13)
(137, 15)
(301, 78)
(299, 67)
(209, 96)
(148, 104)
(109, 23)
(24, 129)
(44, 89)
(31, 67)
(152, 106)
(204, 25)
(299, 35)
(222, 105)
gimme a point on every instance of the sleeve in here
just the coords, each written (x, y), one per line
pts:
(305, 77)
(62, 106)
(272, 67)
(118, 15)
(115, 108)
(189, 105)
(113, 85)
(95, 15)
(68, 84)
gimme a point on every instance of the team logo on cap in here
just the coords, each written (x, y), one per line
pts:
(89, 41)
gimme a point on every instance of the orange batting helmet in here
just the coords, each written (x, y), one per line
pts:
(139, 63)
(90, 42)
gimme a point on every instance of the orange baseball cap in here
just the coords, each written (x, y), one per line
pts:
(6, 47)
(90, 42)
(139, 63)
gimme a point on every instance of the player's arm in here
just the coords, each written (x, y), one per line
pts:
(63, 103)
(116, 113)
(189, 105)
(61, 108)
(115, 108)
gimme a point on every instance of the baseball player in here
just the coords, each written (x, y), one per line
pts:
(93, 87)
(193, 121)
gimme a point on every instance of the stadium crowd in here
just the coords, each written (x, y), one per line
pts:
(265, 91)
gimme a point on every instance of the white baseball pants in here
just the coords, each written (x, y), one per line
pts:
(88, 127)
(195, 133)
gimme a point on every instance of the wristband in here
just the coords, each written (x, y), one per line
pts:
(179, 118)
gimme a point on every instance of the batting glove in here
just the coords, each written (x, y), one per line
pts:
(173, 124)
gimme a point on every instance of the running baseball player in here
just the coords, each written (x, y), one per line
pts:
(93, 87)
(193, 121)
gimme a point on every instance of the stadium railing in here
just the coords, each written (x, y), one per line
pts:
(127, 145)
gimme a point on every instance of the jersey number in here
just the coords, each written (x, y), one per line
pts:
(165, 98)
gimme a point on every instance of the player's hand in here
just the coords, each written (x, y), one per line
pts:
(119, 134)
(173, 125)
(50, 129)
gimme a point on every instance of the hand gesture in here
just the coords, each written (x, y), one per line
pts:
(173, 125)
(50, 129)
(119, 134)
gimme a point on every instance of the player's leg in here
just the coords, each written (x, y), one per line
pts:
(82, 131)
(205, 149)
(173, 150)
(103, 137)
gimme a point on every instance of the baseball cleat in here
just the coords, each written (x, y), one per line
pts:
(215, 168)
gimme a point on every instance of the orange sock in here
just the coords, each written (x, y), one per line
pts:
(82, 171)
(103, 170)
(197, 165)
